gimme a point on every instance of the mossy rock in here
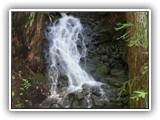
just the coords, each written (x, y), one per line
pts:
(100, 69)
(83, 104)
(75, 104)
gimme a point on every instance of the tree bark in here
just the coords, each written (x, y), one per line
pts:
(137, 58)
(27, 37)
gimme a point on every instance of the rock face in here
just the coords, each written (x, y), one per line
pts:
(107, 60)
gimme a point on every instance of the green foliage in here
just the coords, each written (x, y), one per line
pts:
(123, 26)
(26, 84)
(145, 69)
(121, 90)
(18, 92)
(30, 20)
(137, 38)
(124, 36)
(139, 94)
(13, 77)
(139, 34)
(21, 93)
(19, 105)
(50, 16)
(13, 94)
(19, 73)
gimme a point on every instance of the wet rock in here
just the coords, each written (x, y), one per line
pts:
(50, 102)
(112, 95)
(101, 50)
(105, 86)
(90, 68)
(96, 92)
(105, 58)
(85, 87)
(116, 56)
(67, 102)
(113, 99)
(83, 94)
(83, 104)
(111, 60)
(117, 72)
(62, 82)
(107, 64)
(115, 83)
(75, 104)
(54, 106)
(112, 105)
(111, 91)
(97, 101)
(118, 65)
(92, 48)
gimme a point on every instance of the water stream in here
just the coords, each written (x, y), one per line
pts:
(66, 50)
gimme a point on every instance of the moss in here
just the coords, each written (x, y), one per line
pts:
(101, 69)
(37, 77)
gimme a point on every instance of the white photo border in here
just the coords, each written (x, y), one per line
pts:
(79, 10)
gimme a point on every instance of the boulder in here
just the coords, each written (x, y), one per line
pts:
(117, 72)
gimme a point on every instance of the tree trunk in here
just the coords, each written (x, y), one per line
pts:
(27, 41)
(27, 62)
(137, 57)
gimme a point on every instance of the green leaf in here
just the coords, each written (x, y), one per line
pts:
(25, 80)
(13, 77)
(138, 94)
(143, 95)
(13, 94)
(122, 26)
(21, 88)
(20, 72)
(21, 94)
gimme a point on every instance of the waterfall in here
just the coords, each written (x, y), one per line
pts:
(66, 49)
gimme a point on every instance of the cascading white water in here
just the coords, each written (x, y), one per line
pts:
(66, 48)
